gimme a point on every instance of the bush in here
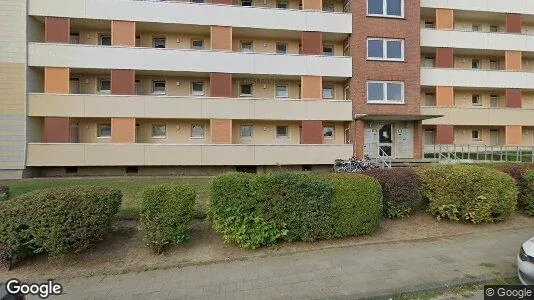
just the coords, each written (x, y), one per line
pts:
(357, 204)
(6, 257)
(468, 193)
(4, 192)
(57, 221)
(401, 189)
(524, 180)
(255, 210)
(166, 214)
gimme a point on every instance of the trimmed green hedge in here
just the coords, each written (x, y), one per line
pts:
(166, 214)
(57, 221)
(4, 192)
(401, 189)
(357, 204)
(468, 193)
(254, 210)
(526, 204)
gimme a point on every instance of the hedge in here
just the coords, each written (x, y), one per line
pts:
(357, 204)
(525, 197)
(527, 200)
(468, 193)
(57, 221)
(401, 190)
(4, 192)
(166, 214)
(254, 210)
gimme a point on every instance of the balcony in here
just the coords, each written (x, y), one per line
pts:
(476, 40)
(65, 105)
(195, 14)
(476, 78)
(517, 6)
(185, 60)
(479, 116)
(40, 155)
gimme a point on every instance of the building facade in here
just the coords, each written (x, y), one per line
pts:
(94, 87)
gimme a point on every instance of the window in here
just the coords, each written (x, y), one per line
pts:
(74, 85)
(475, 135)
(475, 27)
(138, 41)
(475, 100)
(328, 132)
(245, 90)
(159, 131)
(429, 24)
(430, 99)
(282, 132)
(494, 28)
(159, 87)
(385, 8)
(159, 42)
(429, 62)
(245, 131)
(197, 44)
(385, 92)
(281, 4)
(430, 137)
(246, 2)
(385, 49)
(104, 86)
(74, 38)
(197, 1)
(282, 91)
(346, 92)
(281, 48)
(138, 89)
(328, 92)
(246, 46)
(197, 88)
(197, 131)
(328, 7)
(494, 101)
(494, 65)
(103, 130)
(475, 64)
(328, 50)
(105, 40)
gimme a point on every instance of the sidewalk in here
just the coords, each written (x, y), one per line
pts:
(346, 273)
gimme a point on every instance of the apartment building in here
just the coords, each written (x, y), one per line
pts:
(119, 87)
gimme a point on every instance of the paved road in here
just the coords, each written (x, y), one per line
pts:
(345, 273)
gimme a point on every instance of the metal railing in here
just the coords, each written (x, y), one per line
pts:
(483, 153)
(378, 155)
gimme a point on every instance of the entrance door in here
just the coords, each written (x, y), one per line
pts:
(494, 137)
(370, 140)
(385, 139)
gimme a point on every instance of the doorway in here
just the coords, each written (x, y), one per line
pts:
(385, 139)
(494, 137)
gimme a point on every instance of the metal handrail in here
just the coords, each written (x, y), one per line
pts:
(484, 153)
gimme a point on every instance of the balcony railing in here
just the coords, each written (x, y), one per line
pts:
(480, 153)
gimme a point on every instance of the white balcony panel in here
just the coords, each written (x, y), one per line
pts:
(476, 40)
(102, 57)
(108, 106)
(506, 6)
(196, 14)
(468, 116)
(476, 78)
(40, 154)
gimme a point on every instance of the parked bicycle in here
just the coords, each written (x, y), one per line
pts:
(353, 165)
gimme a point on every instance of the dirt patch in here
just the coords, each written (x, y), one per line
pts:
(123, 250)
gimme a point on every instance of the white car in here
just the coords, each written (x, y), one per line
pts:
(525, 263)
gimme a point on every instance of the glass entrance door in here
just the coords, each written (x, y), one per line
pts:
(385, 139)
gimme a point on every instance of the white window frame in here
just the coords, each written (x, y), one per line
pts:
(159, 136)
(203, 132)
(333, 132)
(385, 49)
(478, 138)
(384, 91)
(276, 91)
(197, 40)
(479, 64)
(158, 92)
(103, 35)
(98, 126)
(159, 38)
(328, 86)
(384, 10)
(328, 46)
(251, 90)
(285, 137)
(246, 42)
(479, 102)
(276, 47)
(196, 93)
(101, 91)
(241, 132)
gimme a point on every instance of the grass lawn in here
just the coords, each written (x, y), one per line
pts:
(131, 188)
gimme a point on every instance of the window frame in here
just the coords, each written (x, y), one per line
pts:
(333, 132)
(284, 2)
(203, 132)
(276, 91)
(478, 138)
(285, 137)
(276, 48)
(326, 5)
(479, 65)
(476, 96)
(246, 95)
(159, 92)
(241, 132)
(104, 35)
(328, 86)
(98, 131)
(384, 11)
(202, 93)
(197, 40)
(160, 38)
(158, 136)
(384, 92)
(385, 49)
(100, 90)
(74, 37)
(251, 3)
(246, 42)
(328, 46)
